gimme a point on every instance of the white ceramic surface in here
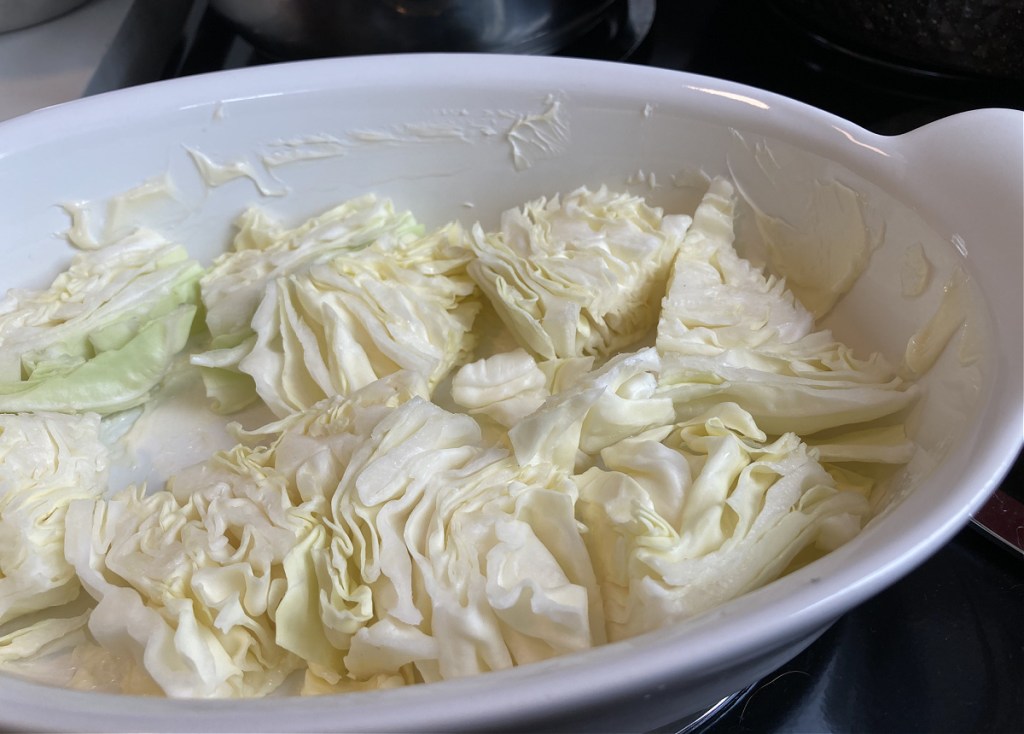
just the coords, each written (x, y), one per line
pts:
(466, 137)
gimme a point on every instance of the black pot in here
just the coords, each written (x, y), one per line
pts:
(292, 29)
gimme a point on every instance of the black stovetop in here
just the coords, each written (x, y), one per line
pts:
(942, 650)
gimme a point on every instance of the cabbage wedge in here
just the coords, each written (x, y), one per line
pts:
(105, 332)
(439, 558)
(349, 297)
(729, 333)
(580, 274)
(684, 518)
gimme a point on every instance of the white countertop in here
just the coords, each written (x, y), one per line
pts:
(93, 48)
(54, 61)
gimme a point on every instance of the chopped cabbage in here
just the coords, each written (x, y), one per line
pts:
(600, 408)
(716, 300)
(350, 321)
(580, 274)
(593, 487)
(25, 643)
(188, 580)
(47, 461)
(356, 544)
(41, 651)
(264, 250)
(104, 333)
(507, 387)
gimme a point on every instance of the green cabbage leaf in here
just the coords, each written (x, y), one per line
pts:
(104, 333)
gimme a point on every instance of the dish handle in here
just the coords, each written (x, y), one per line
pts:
(972, 167)
(967, 171)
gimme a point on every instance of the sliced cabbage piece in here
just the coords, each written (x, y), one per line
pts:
(579, 274)
(716, 299)
(187, 580)
(797, 397)
(684, 518)
(377, 300)
(265, 250)
(355, 543)
(350, 321)
(30, 642)
(104, 333)
(439, 558)
(47, 461)
(506, 386)
(728, 332)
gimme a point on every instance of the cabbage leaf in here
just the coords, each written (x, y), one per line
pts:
(683, 518)
(264, 250)
(47, 461)
(599, 408)
(508, 386)
(352, 320)
(729, 333)
(579, 274)
(104, 333)
(367, 298)
(428, 530)
(187, 579)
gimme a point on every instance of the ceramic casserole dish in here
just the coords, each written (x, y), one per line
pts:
(466, 137)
